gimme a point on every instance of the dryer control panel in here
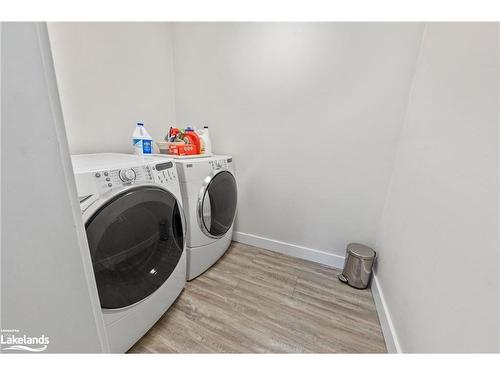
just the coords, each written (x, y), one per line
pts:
(220, 164)
(161, 173)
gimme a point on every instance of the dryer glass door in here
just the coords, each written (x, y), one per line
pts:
(136, 241)
(218, 205)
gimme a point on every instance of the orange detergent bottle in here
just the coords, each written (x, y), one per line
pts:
(194, 140)
(193, 147)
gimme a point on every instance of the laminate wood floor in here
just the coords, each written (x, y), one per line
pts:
(258, 301)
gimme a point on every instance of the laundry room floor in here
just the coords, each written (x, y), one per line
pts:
(258, 301)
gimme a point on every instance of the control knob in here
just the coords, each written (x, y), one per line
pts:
(127, 175)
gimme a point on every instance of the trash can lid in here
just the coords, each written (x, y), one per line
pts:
(361, 251)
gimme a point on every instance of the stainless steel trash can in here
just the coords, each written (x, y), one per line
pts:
(358, 265)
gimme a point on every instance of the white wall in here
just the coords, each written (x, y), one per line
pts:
(345, 86)
(438, 246)
(111, 76)
(47, 282)
(311, 113)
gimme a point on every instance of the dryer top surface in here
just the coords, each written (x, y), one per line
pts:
(202, 160)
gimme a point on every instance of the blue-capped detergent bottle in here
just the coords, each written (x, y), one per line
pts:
(141, 140)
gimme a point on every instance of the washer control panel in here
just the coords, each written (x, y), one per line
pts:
(161, 173)
(165, 173)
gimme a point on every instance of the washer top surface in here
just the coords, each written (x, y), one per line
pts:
(91, 162)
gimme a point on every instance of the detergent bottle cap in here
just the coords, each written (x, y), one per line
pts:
(140, 124)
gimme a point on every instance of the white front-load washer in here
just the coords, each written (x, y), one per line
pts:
(209, 196)
(135, 228)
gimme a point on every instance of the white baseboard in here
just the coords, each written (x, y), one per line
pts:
(314, 255)
(390, 336)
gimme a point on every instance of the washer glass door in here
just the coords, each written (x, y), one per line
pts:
(136, 240)
(218, 205)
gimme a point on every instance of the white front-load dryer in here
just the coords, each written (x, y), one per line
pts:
(209, 195)
(135, 228)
